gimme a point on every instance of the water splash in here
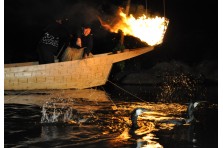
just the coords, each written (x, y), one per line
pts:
(56, 113)
(181, 87)
(66, 108)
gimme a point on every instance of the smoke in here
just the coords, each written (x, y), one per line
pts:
(34, 12)
(80, 13)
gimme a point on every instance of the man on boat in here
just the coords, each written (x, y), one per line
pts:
(84, 39)
(55, 37)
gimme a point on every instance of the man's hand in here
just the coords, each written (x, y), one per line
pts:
(78, 42)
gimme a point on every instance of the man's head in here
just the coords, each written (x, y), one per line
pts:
(86, 29)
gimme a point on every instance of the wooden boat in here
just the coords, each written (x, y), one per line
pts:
(77, 74)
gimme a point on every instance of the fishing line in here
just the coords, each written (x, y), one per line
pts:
(95, 100)
(110, 99)
(127, 91)
(16, 95)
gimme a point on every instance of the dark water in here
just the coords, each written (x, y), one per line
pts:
(109, 126)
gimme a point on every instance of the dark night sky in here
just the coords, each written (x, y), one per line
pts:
(192, 35)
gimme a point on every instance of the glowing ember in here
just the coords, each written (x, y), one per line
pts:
(149, 30)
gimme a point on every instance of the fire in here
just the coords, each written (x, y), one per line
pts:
(147, 29)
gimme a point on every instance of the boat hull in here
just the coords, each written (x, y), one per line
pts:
(78, 74)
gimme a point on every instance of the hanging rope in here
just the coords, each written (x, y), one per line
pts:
(146, 7)
(164, 9)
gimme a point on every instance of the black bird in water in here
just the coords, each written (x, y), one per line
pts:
(134, 116)
(190, 112)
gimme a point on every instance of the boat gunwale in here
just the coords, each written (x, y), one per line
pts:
(36, 63)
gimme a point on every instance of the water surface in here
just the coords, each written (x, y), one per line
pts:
(107, 125)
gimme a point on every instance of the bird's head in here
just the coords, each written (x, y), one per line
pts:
(134, 116)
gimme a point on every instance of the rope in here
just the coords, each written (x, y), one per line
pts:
(146, 7)
(60, 51)
(164, 9)
(127, 91)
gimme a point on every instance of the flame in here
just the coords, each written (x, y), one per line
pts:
(147, 29)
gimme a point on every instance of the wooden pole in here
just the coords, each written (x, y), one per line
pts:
(127, 13)
(127, 7)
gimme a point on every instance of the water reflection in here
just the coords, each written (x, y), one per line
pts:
(104, 125)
